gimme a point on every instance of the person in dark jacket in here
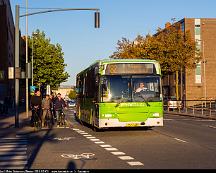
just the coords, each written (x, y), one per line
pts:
(59, 104)
(35, 103)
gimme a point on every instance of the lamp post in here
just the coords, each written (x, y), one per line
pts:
(17, 68)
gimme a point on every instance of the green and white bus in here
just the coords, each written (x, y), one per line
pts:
(107, 94)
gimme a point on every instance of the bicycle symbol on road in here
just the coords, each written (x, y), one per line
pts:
(78, 156)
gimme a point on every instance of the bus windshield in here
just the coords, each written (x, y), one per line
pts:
(132, 88)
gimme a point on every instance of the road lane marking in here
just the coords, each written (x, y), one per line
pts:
(125, 158)
(12, 146)
(16, 163)
(111, 149)
(14, 149)
(95, 139)
(214, 127)
(99, 142)
(84, 133)
(76, 129)
(118, 153)
(87, 135)
(105, 146)
(90, 137)
(180, 140)
(14, 157)
(135, 163)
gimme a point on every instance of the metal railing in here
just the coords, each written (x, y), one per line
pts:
(194, 107)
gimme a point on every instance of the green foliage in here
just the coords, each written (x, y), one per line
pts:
(171, 47)
(72, 94)
(48, 61)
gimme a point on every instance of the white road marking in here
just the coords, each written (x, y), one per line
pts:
(87, 135)
(214, 127)
(95, 139)
(11, 153)
(76, 129)
(80, 131)
(125, 158)
(14, 157)
(90, 137)
(118, 153)
(180, 140)
(12, 146)
(84, 133)
(14, 149)
(111, 149)
(135, 163)
(105, 145)
(16, 163)
(99, 142)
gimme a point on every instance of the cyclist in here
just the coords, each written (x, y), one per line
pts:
(35, 104)
(59, 104)
(46, 107)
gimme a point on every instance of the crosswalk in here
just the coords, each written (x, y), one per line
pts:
(13, 152)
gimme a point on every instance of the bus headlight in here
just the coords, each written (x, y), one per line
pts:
(156, 114)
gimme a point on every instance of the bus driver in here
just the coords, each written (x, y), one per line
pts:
(141, 87)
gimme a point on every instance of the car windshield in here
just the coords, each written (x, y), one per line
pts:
(133, 88)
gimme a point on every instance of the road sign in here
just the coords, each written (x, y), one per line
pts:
(32, 90)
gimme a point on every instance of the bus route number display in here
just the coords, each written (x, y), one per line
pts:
(129, 68)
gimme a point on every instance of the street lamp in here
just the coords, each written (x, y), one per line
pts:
(17, 68)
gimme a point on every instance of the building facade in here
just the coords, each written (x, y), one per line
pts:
(198, 83)
(6, 48)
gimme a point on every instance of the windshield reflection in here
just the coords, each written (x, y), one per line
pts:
(137, 88)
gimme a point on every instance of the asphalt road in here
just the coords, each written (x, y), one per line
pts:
(182, 143)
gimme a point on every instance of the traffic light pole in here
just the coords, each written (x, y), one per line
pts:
(17, 71)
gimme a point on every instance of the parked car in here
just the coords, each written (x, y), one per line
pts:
(173, 103)
(71, 103)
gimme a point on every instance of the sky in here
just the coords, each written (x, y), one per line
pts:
(83, 44)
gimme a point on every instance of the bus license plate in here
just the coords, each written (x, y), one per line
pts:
(131, 125)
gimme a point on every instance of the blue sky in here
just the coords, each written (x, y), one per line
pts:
(82, 44)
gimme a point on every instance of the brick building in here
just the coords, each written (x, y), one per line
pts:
(6, 48)
(198, 83)
(7, 52)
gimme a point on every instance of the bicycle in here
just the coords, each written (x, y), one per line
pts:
(61, 120)
(48, 119)
(36, 118)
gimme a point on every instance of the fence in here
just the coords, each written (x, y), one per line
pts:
(194, 107)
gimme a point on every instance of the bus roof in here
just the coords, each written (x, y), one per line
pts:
(112, 60)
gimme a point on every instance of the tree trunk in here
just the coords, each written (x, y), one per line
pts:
(177, 84)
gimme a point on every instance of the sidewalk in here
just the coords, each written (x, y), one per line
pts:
(7, 123)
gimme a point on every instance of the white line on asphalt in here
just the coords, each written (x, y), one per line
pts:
(90, 137)
(99, 142)
(84, 133)
(135, 163)
(13, 163)
(111, 149)
(87, 135)
(76, 129)
(14, 149)
(13, 143)
(125, 158)
(17, 138)
(80, 131)
(14, 152)
(14, 157)
(12, 146)
(95, 139)
(214, 127)
(180, 140)
(105, 146)
(118, 153)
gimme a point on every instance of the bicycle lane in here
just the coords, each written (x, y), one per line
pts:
(66, 149)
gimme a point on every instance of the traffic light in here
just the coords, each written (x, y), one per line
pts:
(97, 19)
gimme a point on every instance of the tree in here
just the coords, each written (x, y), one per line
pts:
(48, 61)
(173, 49)
(72, 94)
